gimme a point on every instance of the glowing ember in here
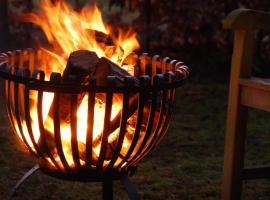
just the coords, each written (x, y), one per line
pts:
(69, 31)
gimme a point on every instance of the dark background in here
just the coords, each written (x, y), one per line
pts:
(186, 30)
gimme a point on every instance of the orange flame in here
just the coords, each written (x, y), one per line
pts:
(69, 31)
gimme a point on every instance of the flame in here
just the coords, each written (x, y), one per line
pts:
(69, 31)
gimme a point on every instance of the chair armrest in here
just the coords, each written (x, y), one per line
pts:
(246, 19)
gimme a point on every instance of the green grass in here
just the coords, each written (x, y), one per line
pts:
(187, 164)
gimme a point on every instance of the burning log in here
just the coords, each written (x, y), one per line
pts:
(109, 46)
(114, 51)
(83, 64)
(104, 69)
(107, 68)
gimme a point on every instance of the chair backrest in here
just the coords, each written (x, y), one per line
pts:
(244, 22)
(244, 93)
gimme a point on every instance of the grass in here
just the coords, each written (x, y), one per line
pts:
(187, 164)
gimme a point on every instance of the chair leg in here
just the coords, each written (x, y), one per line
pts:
(234, 154)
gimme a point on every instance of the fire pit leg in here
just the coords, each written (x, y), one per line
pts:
(107, 190)
(132, 193)
(20, 182)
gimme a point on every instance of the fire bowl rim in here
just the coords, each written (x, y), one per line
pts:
(60, 87)
(169, 80)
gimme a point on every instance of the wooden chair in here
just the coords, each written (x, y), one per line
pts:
(245, 91)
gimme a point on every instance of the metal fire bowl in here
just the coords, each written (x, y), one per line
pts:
(159, 79)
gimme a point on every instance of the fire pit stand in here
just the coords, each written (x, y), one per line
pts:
(107, 184)
(151, 105)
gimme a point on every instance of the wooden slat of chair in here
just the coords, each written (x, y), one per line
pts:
(255, 93)
(241, 96)
(256, 172)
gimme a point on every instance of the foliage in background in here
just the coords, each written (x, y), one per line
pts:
(190, 30)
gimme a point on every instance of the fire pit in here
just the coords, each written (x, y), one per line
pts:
(89, 109)
(136, 129)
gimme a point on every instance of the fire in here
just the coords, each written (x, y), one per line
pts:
(69, 31)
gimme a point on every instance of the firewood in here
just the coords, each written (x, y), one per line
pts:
(133, 106)
(82, 64)
(81, 150)
(109, 46)
(107, 68)
(104, 69)
(104, 38)
(132, 70)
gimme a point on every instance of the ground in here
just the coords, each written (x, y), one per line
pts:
(187, 164)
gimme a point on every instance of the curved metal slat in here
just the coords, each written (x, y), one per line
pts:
(43, 142)
(148, 129)
(9, 105)
(20, 60)
(158, 79)
(106, 128)
(164, 63)
(136, 136)
(31, 60)
(17, 108)
(78, 89)
(18, 118)
(141, 100)
(147, 145)
(155, 59)
(57, 131)
(169, 116)
(167, 121)
(28, 121)
(90, 124)
(29, 125)
(171, 77)
(56, 78)
(9, 96)
(73, 127)
(22, 72)
(143, 61)
(123, 123)
(124, 117)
